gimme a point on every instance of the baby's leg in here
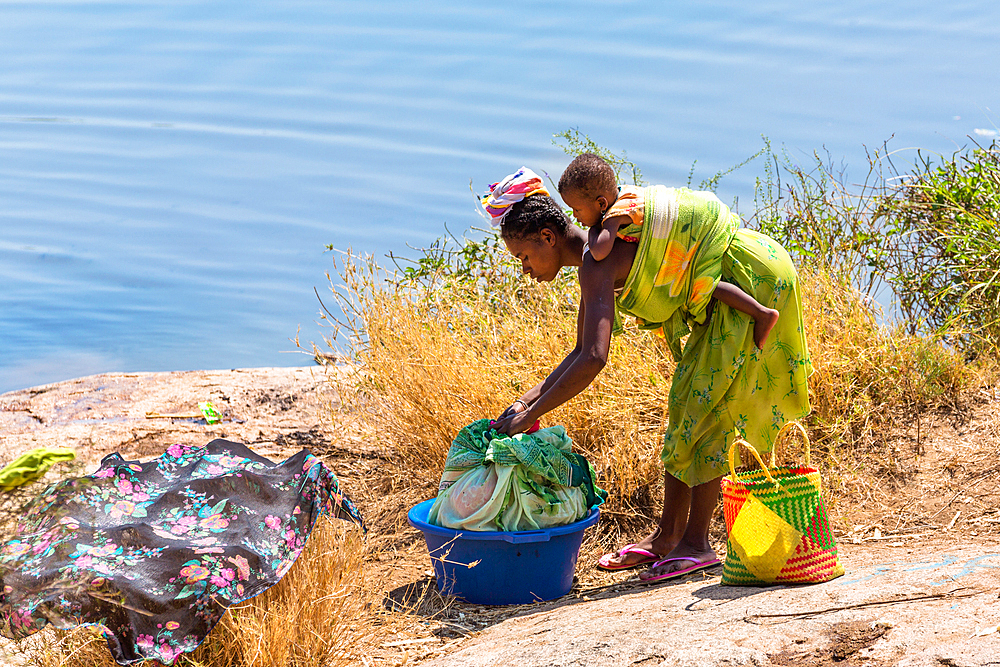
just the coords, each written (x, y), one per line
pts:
(764, 319)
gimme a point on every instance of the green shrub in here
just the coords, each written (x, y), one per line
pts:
(943, 259)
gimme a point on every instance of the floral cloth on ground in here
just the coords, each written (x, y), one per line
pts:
(723, 385)
(496, 482)
(153, 553)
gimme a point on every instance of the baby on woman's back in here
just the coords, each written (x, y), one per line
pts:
(590, 188)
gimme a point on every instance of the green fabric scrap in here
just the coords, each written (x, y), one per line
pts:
(31, 465)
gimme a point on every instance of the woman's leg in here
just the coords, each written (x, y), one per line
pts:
(683, 528)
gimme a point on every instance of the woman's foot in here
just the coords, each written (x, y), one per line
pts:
(682, 560)
(643, 552)
(630, 556)
(762, 326)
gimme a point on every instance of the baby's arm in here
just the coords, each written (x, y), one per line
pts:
(601, 236)
(764, 319)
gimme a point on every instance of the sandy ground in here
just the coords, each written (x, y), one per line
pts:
(923, 562)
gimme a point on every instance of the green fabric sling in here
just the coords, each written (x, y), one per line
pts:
(678, 264)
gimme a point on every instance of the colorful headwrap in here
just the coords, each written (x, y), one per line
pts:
(522, 183)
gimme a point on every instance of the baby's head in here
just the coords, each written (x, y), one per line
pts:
(589, 187)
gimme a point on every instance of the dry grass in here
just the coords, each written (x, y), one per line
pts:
(875, 393)
(868, 375)
(436, 358)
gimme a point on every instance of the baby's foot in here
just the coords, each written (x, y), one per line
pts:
(762, 326)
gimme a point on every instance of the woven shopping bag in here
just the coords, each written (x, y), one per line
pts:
(779, 531)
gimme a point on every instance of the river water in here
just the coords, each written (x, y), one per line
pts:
(171, 172)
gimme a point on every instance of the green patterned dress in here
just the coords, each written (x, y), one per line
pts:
(724, 386)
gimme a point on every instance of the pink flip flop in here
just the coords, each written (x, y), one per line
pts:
(605, 561)
(698, 566)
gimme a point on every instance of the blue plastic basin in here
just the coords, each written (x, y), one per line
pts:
(509, 567)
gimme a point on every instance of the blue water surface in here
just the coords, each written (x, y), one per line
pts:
(171, 172)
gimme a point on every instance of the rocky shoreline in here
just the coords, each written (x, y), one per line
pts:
(274, 410)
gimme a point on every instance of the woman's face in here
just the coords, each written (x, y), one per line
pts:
(538, 254)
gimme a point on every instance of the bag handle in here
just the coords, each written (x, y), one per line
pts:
(805, 440)
(753, 450)
(767, 469)
(756, 455)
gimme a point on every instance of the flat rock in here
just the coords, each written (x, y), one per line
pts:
(276, 410)
(919, 605)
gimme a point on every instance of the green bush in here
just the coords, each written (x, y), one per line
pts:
(942, 223)
(930, 235)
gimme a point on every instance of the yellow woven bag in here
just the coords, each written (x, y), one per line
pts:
(779, 531)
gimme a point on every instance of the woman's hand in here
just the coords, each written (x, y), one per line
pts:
(517, 406)
(506, 418)
(512, 423)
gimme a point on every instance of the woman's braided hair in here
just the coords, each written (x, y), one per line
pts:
(531, 215)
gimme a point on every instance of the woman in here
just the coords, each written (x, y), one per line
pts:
(723, 385)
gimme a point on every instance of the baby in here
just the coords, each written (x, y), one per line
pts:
(589, 187)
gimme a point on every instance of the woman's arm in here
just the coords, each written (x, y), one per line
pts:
(581, 366)
(532, 394)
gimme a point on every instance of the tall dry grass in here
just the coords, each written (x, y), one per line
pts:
(868, 377)
(439, 354)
